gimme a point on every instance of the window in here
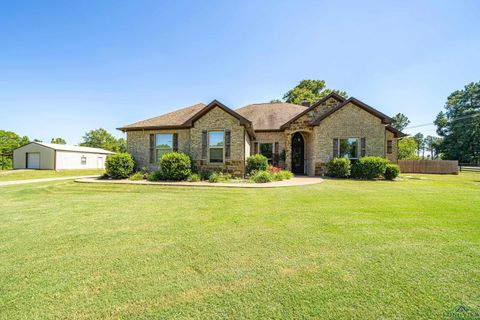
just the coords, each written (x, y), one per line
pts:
(348, 148)
(266, 149)
(389, 146)
(164, 144)
(215, 146)
(83, 160)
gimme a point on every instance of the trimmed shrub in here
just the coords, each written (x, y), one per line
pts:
(205, 174)
(257, 162)
(369, 168)
(283, 175)
(176, 166)
(194, 177)
(262, 177)
(155, 176)
(391, 171)
(219, 177)
(119, 166)
(137, 176)
(338, 168)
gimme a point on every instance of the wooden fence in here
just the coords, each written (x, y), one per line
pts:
(429, 166)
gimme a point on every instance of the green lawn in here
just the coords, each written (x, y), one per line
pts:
(336, 250)
(10, 175)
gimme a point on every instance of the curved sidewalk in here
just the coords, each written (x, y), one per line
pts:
(296, 181)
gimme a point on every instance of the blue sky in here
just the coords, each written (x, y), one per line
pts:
(70, 66)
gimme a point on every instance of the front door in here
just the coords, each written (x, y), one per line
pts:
(298, 154)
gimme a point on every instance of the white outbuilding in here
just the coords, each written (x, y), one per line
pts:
(39, 155)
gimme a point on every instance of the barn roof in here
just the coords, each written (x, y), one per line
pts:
(66, 147)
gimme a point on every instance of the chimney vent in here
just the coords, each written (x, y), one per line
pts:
(305, 103)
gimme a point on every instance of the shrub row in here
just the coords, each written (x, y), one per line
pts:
(178, 166)
(364, 168)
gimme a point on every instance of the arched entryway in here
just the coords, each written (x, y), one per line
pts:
(298, 154)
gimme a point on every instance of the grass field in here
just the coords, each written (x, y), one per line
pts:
(10, 175)
(336, 250)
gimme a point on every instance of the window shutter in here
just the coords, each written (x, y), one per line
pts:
(255, 147)
(175, 142)
(227, 144)
(275, 153)
(152, 149)
(363, 144)
(389, 146)
(335, 148)
(204, 144)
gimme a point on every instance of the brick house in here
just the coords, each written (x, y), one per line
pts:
(301, 138)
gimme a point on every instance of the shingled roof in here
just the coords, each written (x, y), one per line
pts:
(270, 116)
(172, 119)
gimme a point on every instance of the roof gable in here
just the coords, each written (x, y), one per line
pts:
(385, 119)
(331, 95)
(213, 104)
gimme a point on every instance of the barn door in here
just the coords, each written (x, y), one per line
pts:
(100, 163)
(33, 160)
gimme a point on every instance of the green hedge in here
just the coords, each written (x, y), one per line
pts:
(369, 168)
(176, 166)
(119, 166)
(339, 168)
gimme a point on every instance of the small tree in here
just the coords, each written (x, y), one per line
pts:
(407, 148)
(420, 140)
